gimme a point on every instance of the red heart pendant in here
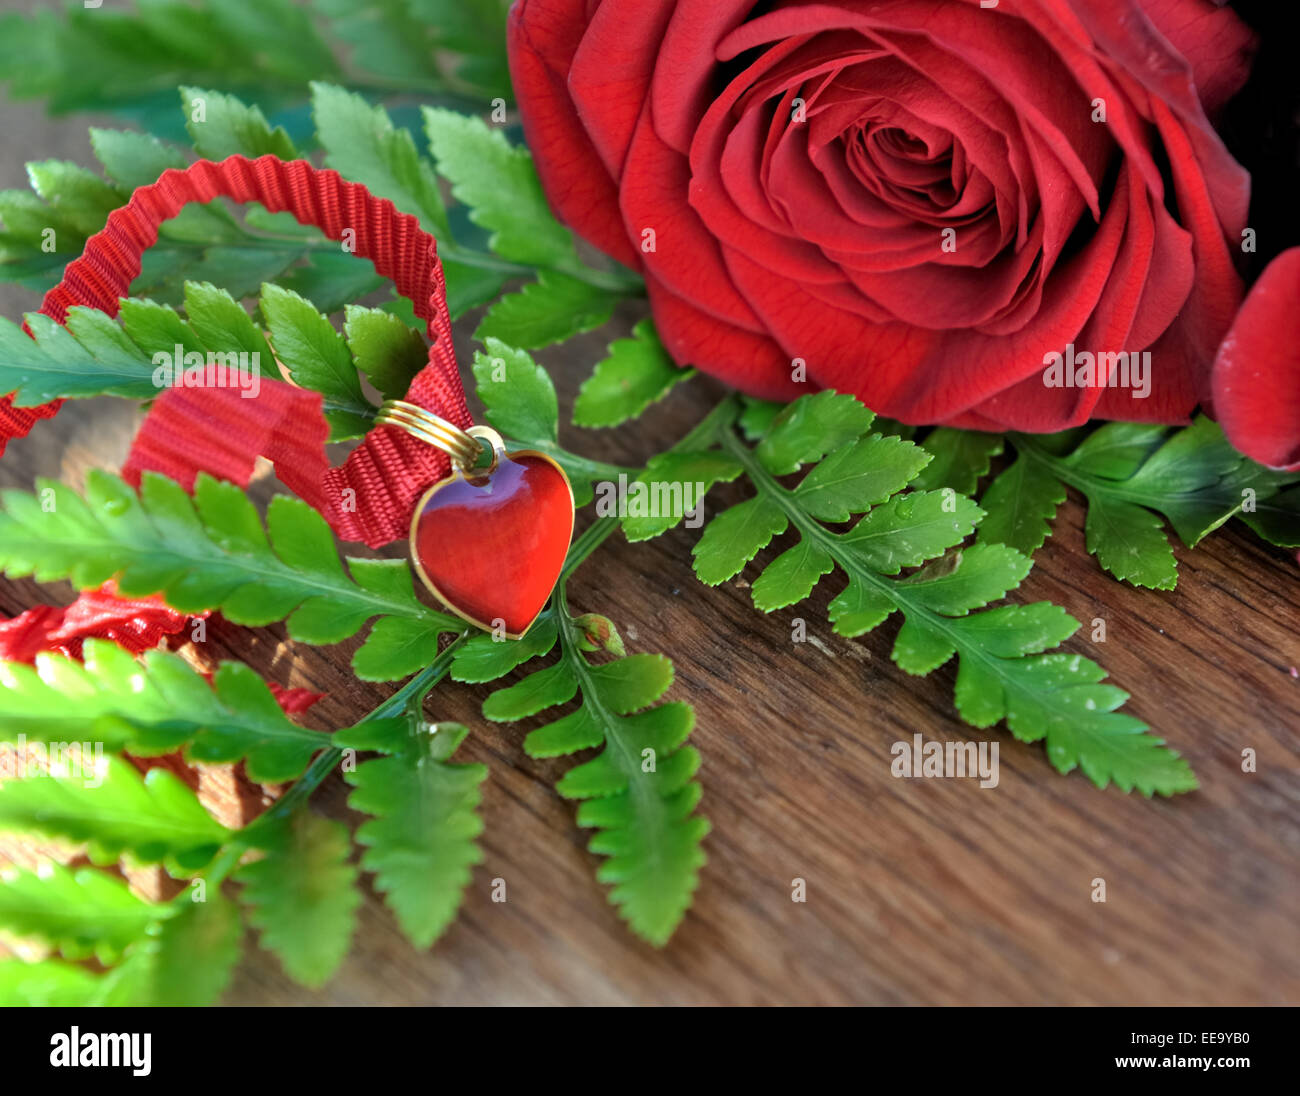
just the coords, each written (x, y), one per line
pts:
(491, 548)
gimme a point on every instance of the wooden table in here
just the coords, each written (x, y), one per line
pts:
(918, 891)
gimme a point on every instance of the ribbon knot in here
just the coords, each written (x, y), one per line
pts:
(370, 497)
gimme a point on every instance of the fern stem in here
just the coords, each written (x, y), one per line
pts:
(832, 544)
(325, 763)
(704, 433)
(649, 808)
(577, 466)
(1089, 484)
(620, 281)
(712, 428)
(587, 542)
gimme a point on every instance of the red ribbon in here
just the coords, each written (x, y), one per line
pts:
(136, 624)
(371, 496)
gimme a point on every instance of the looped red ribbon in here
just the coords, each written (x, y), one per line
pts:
(371, 496)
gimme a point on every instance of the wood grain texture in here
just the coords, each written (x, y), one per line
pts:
(919, 891)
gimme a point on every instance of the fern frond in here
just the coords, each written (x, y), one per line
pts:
(82, 913)
(1007, 668)
(110, 60)
(212, 552)
(639, 792)
(45, 983)
(420, 841)
(154, 817)
(1131, 475)
(302, 894)
(184, 954)
(154, 705)
(185, 959)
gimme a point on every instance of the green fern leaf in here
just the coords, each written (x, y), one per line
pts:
(81, 195)
(332, 280)
(1277, 518)
(82, 913)
(1006, 671)
(473, 33)
(757, 416)
(385, 349)
(420, 840)
(552, 309)
(519, 400)
(1132, 475)
(1019, 507)
(483, 658)
(386, 37)
(735, 537)
(184, 956)
(186, 959)
(809, 428)
(961, 459)
(211, 552)
(155, 705)
(860, 474)
(697, 469)
(48, 229)
(498, 183)
(1130, 543)
(637, 373)
(317, 358)
(639, 791)
(91, 356)
(791, 577)
(535, 693)
(122, 60)
(134, 159)
(221, 126)
(302, 895)
(518, 396)
(362, 144)
(220, 321)
(154, 817)
(44, 984)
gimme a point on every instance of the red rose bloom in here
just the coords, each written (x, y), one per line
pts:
(918, 200)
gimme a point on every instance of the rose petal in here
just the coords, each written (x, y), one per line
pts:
(542, 38)
(1256, 376)
(1215, 41)
(753, 363)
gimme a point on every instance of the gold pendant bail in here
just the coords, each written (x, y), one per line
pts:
(463, 447)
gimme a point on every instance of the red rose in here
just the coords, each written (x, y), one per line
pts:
(920, 199)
